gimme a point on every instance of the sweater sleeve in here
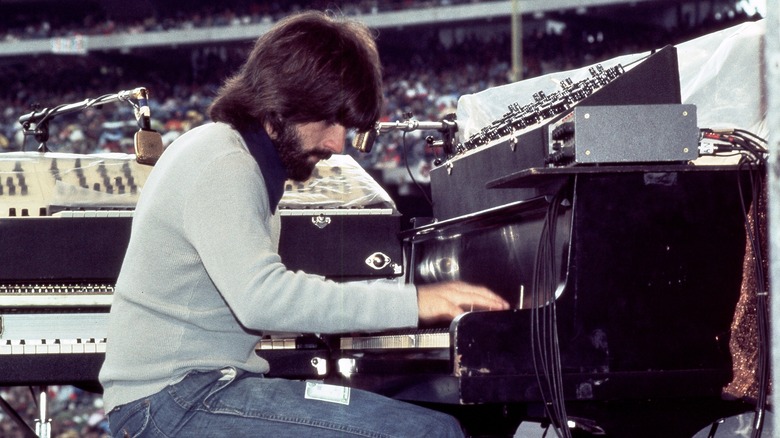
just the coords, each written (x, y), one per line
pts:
(228, 221)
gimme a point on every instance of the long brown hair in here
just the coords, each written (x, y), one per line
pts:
(309, 67)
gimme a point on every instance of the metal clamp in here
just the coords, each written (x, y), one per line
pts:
(378, 261)
(321, 365)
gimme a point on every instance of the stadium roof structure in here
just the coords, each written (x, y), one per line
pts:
(625, 11)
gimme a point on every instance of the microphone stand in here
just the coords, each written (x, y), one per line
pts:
(447, 127)
(36, 123)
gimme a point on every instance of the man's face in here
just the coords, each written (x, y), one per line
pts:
(302, 146)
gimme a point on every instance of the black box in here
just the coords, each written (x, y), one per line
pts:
(342, 244)
(629, 134)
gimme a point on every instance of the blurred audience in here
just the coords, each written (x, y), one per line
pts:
(85, 19)
(74, 413)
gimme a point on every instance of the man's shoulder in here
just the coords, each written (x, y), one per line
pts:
(213, 132)
(201, 148)
(213, 139)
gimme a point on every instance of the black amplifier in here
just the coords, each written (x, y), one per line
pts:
(626, 134)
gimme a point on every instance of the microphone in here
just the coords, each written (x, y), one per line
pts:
(148, 146)
(364, 141)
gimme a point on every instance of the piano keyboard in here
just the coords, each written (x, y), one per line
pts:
(93, 213)
(52, 346)
(27, 297)
(282, 212)
(422, 339)
(334, 211)
(277, 344)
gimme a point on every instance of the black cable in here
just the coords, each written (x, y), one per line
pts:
(754, 239)
(545, 348)
(409, 171)
(739, 141)
(750, 134)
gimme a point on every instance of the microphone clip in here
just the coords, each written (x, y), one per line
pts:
(147, 142)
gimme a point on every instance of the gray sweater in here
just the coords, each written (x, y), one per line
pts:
(202, 278)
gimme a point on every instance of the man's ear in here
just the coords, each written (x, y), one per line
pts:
(270, 130)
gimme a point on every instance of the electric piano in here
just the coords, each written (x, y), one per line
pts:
(65, 223)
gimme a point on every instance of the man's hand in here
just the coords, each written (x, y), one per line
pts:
(444, 301)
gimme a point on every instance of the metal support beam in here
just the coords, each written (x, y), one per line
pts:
(772, 77)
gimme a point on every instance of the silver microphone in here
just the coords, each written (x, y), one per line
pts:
(364, 141)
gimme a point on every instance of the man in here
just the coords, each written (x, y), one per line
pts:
(202, 279)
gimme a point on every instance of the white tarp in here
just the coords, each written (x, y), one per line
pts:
(721, 73)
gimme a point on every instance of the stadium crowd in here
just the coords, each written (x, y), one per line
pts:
(41, 23)
(425, 82)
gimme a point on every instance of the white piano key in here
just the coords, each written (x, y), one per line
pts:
(90, 346)
(70, 214)
(17, 349)
(66, 346)
(76, 346)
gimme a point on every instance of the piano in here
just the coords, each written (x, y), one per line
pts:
(623, 289)
(622, 261)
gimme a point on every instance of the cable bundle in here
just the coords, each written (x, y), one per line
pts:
(545, 348)
(733, 142)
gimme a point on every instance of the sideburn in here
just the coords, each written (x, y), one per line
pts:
(290, 149)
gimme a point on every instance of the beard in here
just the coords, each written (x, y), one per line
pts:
(298, 162)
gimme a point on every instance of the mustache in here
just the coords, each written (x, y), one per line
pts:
(322, 154)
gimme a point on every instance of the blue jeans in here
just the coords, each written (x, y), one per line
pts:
(234, 403)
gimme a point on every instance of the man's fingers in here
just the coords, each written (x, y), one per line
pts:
(471, 297)
(450, 299)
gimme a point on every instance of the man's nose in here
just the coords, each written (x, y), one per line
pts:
(335, 138)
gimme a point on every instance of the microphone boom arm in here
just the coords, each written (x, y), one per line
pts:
(36, 122)
(448, 127)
